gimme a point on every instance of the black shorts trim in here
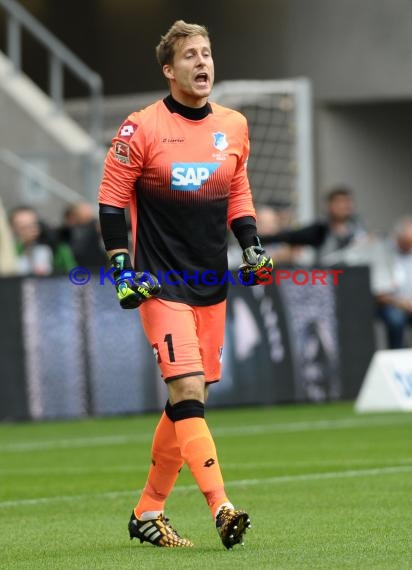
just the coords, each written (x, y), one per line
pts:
(186, 375)
(212, 381)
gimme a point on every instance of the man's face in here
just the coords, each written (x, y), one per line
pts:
(340, 208)
(405, 239)
(82, 214)
(191, 74)
(25, 226)
(267, 221)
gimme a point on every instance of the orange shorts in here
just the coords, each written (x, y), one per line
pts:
(186, 340)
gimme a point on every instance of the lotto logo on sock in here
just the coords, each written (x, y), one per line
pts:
(191, 175)
(209, 462)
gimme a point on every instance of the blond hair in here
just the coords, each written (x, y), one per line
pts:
(180, 30)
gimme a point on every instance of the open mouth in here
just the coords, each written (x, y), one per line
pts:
(202, 78)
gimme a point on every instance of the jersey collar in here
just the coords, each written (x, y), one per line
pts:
(187, 112)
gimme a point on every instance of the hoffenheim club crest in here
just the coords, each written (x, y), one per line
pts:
(219, 141)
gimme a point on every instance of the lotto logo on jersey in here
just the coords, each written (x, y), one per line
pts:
(127, 129)
(191, 175)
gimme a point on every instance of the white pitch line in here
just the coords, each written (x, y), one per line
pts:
(77, 470)
(247, 430)
(75, 442)
(392, 470)
(316, 425)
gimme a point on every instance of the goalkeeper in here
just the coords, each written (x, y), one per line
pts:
(179, 166)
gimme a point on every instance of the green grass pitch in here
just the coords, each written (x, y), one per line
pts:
(325, 488)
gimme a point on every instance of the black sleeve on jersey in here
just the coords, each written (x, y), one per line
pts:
(113, 227)
(245, 231)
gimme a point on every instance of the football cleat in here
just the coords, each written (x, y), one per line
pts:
(157, 531)
(231, 526)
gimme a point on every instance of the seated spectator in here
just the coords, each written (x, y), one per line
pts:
(34, 257)
(38, 252)
(338, 230)
(81, 231)
(268, 222)
(395, 304)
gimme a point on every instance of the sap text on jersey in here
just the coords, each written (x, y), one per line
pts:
(191, 175)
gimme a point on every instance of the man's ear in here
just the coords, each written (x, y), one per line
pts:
(168, 71)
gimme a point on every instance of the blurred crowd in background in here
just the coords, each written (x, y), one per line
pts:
(30, 246)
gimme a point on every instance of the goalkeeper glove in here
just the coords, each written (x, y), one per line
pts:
(257, 266)
(132, 288)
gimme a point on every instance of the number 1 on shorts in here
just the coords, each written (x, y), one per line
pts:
(168, 339)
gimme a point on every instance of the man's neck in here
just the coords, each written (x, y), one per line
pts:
(192, 113)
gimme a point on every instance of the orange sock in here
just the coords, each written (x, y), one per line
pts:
(166, 464)
(199, 451)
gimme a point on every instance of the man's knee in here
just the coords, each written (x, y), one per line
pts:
(189, 388)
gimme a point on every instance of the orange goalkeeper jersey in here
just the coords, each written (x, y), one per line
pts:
(184, 181)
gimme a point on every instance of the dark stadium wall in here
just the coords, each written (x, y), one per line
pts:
(118, 39)
(351, 50)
